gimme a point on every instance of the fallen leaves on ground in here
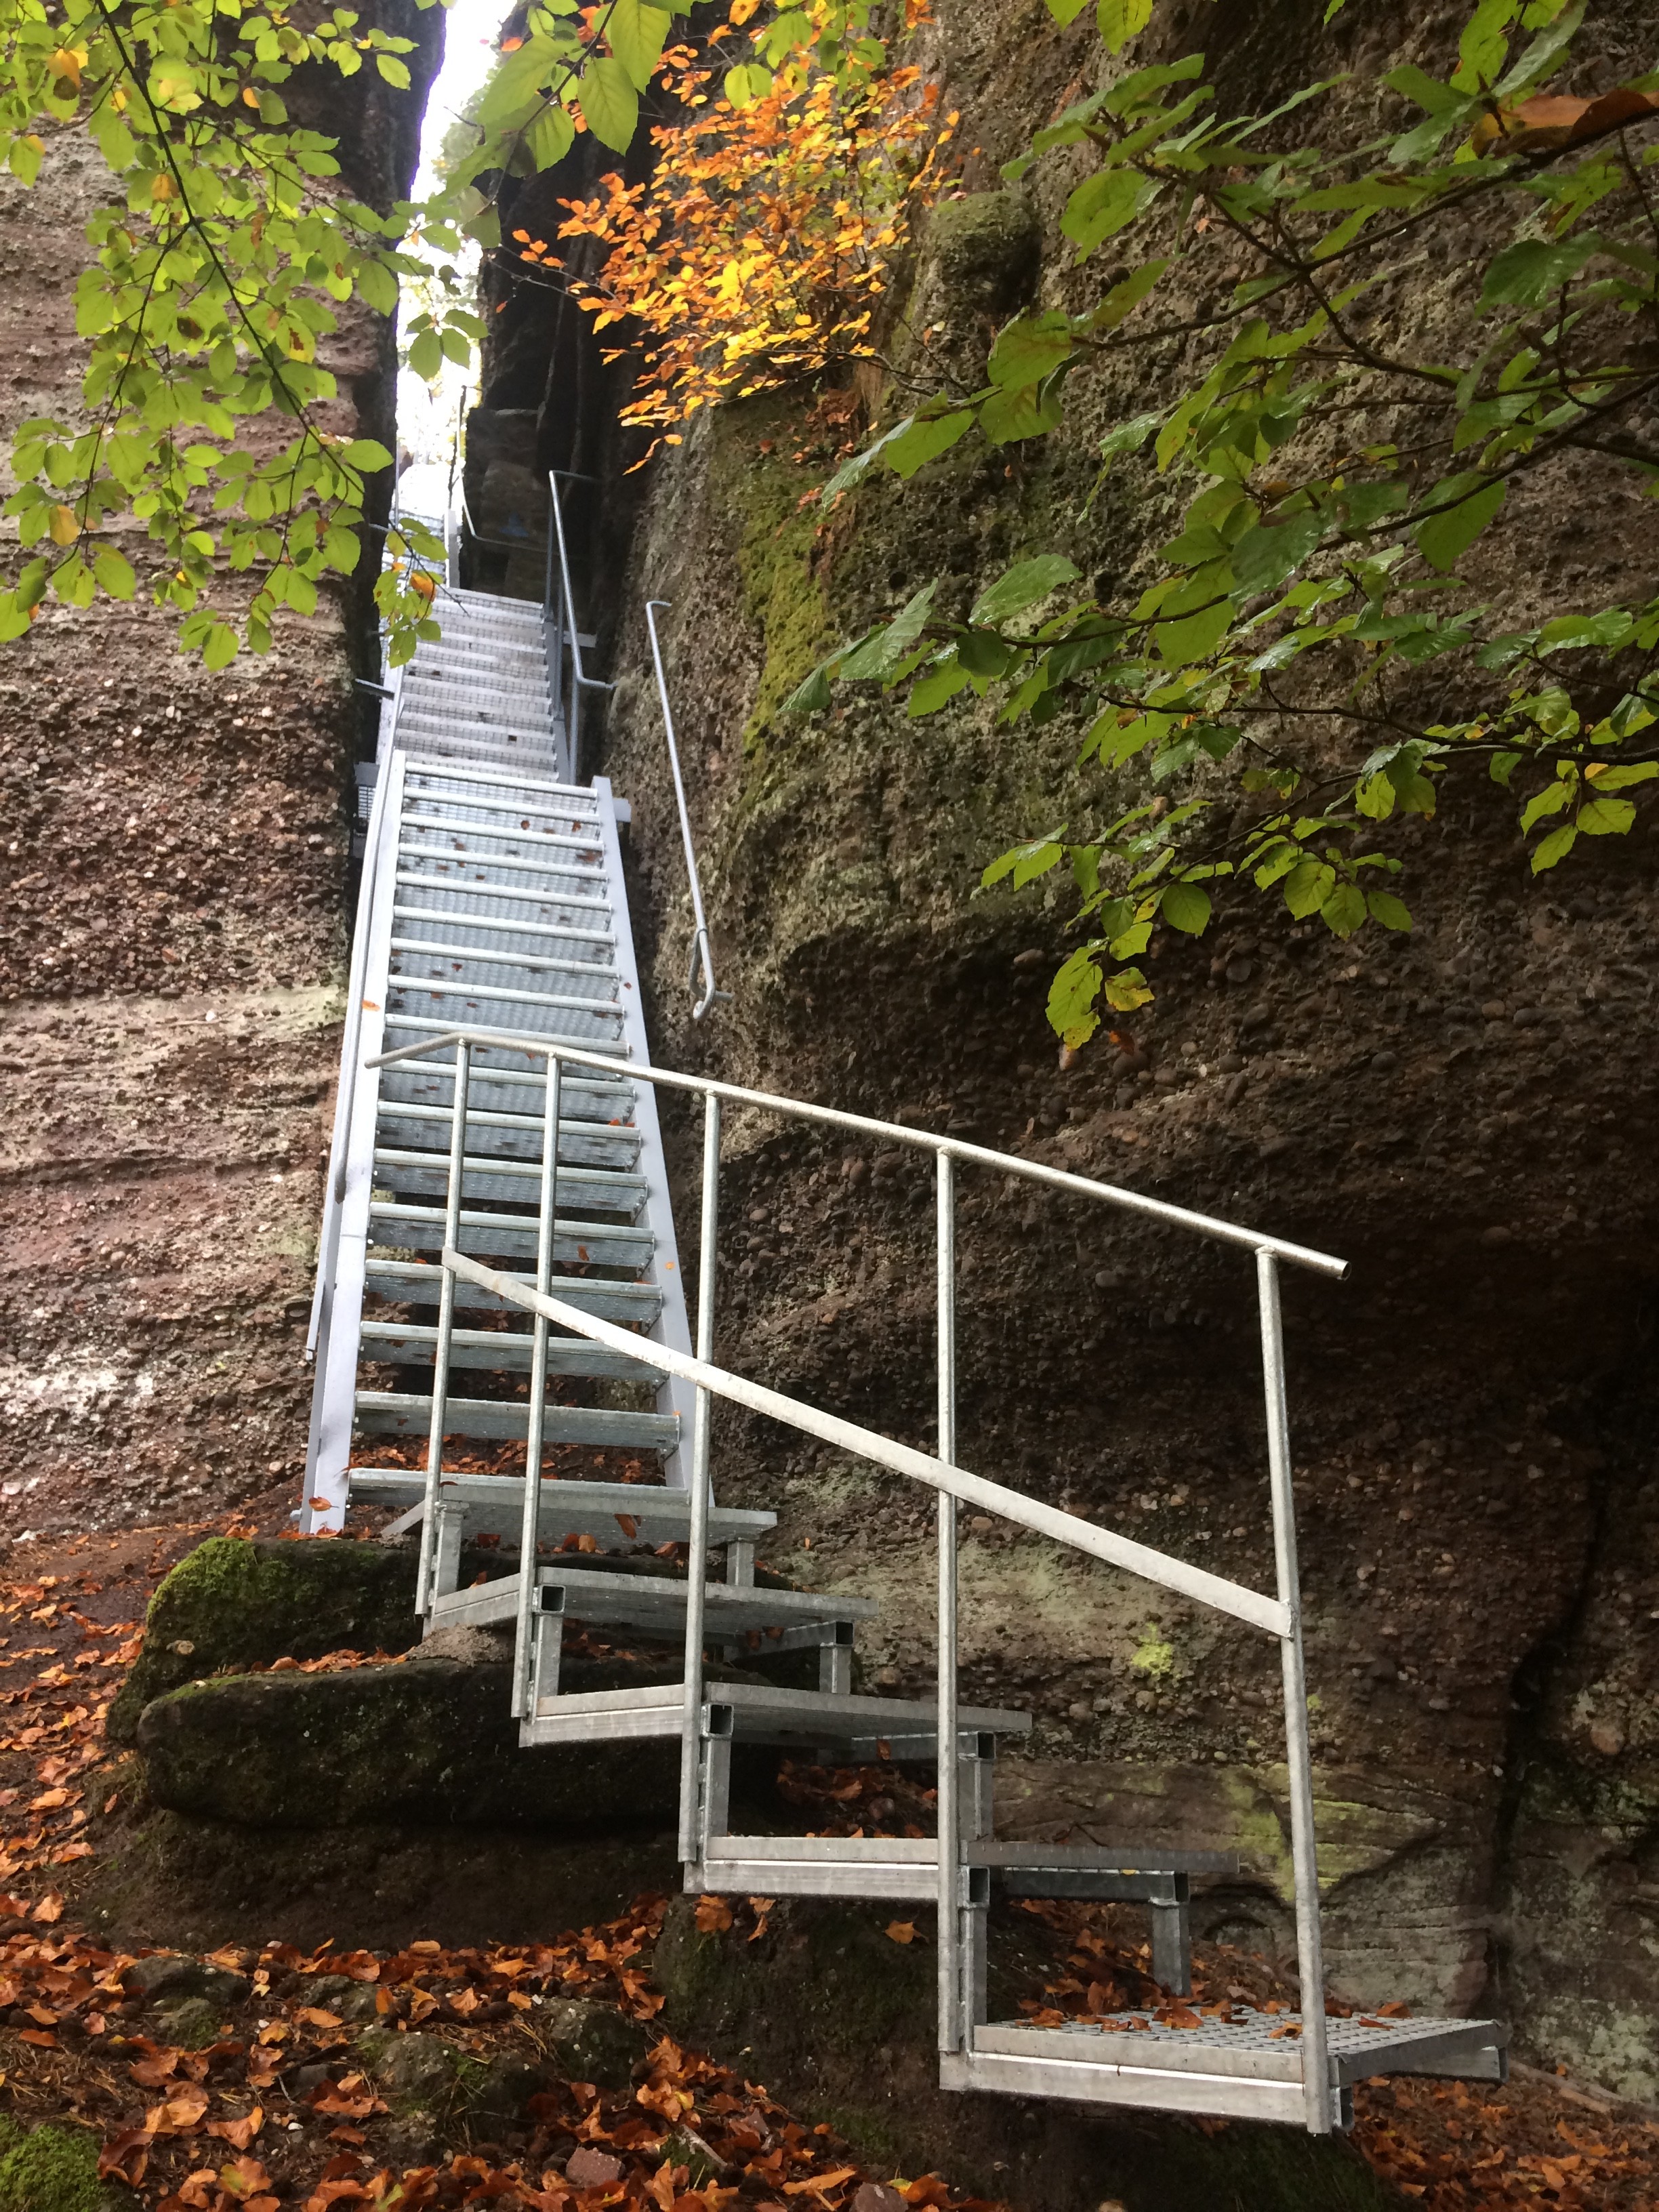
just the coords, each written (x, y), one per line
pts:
(233, 2127)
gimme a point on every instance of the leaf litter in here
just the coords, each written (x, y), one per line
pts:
(279, 2115)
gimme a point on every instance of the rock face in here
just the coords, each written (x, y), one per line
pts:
(1466, 1114)
(234, 1603)
(172, 889)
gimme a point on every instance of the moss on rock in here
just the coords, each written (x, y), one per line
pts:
(235, 1603)
(55, 2170)
(986, 249)
(782, 596)
(428, 1741)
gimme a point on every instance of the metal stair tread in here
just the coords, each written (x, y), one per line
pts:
(441, 987)
(595, 1185)
(1258, 2045)
(564, 839)
(398, 1413)
(492, 1136)
(645, 1602)
(500, 925)
(576, 1507)
(415, 1282)
(408, 1344)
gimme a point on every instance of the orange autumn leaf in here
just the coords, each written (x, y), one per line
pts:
(758, 250)
(239, 2134)
(181, 2114)
(713, 1915)
(901, 1931)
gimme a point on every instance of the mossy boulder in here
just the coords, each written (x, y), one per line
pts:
(986, 249)
(233, 1602)
(55, 2170)
(430, 1741)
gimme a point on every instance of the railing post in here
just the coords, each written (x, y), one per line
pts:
(440, 1349)
(1310, 1955)
(697, 1566)
(546, 1235)
(950, 1826)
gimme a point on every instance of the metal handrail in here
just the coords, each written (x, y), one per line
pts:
(1279, 1616)
(897, 1133)
(562, 614)
(701, 954)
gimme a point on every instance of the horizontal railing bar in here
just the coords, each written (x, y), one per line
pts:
(1213, 1590)
(1133, 1201)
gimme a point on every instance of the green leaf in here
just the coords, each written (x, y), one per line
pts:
(1502, 767)
(1186, 907)
(426, 356)
(1123, 299)
(1071, 998)
(1620, 779)
(1269, 552)
(378, 287)
(881, 653)
(221, 646)
(1525, 274)
(1123, 20)
(1029, 348)
(941, 683)
(1128, 437)
(1126, 990)
(114, 573)
(1105, 204)
(1307, 887)
(1066, 11)
(609, 103)
(923, 438)
(1384, 906)
(548, 139)
(394, 71)
(1194, 636)
(746, 83)
(1550, 800)
(1556, 847)
(637, 32)
(1607, 817)
(812, 694)
(1023, 587)
(1466, 505)
(518, 79)
(367, 453)
(1344, 911)
(1025, 863)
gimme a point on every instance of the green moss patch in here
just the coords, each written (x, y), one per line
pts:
(53, 2170)
(234, 1603)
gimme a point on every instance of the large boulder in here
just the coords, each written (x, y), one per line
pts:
(428, 1741)
(233, 1602)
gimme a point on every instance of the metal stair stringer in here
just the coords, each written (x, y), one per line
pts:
(492, 892)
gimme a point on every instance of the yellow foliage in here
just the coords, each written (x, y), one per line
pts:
(757, 251)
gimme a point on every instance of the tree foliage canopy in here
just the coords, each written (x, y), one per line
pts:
(222, 258)
(1260, 712)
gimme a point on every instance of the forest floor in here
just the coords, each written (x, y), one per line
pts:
(276, 2112)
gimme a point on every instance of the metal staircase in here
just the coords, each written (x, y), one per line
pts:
(499, 1289)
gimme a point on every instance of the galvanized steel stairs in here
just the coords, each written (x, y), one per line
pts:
(494, 900)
